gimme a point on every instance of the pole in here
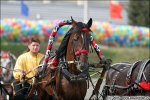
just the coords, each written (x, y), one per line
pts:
(85, 10)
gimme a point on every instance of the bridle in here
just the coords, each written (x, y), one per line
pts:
(82, 51)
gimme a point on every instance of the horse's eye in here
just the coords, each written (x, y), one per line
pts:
(75, 38)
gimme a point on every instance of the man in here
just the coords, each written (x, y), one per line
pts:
(25, 63)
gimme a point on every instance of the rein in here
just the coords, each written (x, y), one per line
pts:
(3, 88)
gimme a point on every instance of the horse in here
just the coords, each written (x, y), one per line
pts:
(6, 64)
(68, 80)
(127, 79)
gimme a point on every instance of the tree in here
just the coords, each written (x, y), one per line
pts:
(139, 12)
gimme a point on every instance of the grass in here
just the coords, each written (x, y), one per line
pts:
(123, 54)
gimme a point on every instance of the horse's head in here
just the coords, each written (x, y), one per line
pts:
(78, 46)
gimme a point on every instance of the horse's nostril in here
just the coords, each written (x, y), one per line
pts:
(82, 66)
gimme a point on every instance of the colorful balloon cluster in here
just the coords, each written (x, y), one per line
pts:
(121, 35)
(21, 30)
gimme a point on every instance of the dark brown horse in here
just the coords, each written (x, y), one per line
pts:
(128, 79)
(68, 81)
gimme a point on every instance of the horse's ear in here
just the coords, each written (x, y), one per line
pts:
(89, 24)
(73, 22)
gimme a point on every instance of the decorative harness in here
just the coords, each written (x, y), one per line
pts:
(137, 84)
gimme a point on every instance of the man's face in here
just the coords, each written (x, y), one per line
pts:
(34, 47)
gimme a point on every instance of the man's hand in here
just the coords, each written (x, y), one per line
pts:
(105, 61)
(23, 77)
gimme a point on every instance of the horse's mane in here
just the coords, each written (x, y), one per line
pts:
(63, 46)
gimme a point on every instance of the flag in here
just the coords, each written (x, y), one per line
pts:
(24, 9)
(115, 10)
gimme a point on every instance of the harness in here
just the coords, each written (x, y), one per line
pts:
(113, 86)
(138, 85)
(144, 85)
(129, 73)
(4, 55)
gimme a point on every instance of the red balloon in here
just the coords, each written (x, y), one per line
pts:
(1, 31)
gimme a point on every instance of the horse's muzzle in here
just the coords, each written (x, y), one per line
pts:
(82, 66)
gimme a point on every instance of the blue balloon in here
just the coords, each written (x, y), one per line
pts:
(48, 30)
(109, 39)
(5, 34)
(60, 32)
(40, 32)
(98, 27)
(19, 21)
(93, 34)
(39, 25)
(102, 30)
(23, 25)
(125, 37)
(106, 38)
(30, 32)
(23, 29)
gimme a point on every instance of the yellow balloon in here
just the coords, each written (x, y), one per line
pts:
(130, 37)
(50, 26)
(15, 27)
(14, 20)
(144, 42)
(41, 37)
(33, 25)
(97, 36)
(17, 32)
(5, 20)
(13, 32)
(2, 27)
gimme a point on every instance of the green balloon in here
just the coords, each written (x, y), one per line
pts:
(25, 33)
(143, 38)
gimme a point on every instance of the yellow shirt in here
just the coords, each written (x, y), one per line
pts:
(27, 62)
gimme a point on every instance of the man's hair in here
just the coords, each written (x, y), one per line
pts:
(33, 39)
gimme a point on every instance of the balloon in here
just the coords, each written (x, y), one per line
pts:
(1, 31)
(41, 37)
(48, 30)
(11, 37)
(41, 32)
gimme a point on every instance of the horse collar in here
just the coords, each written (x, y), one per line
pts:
(72, 77)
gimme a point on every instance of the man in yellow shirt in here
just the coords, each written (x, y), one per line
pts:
(26, 62)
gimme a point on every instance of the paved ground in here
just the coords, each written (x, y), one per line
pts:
(89, 91)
